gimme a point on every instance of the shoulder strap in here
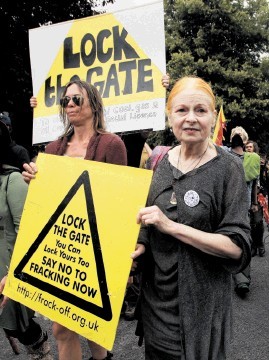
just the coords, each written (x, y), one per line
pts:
(8, 172)
(156, 156)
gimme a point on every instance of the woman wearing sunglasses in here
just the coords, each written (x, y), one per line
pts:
(82, 113)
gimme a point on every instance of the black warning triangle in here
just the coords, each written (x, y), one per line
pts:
(103, 312)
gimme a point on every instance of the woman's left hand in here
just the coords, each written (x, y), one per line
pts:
(152, 215)
(166, 81)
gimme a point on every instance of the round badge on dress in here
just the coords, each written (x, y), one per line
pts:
(191, 198)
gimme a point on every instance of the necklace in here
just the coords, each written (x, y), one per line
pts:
(193, 165)
(196, 162)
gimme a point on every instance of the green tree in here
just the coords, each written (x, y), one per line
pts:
(222, 41)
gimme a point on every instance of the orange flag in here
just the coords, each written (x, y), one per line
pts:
(220, 125)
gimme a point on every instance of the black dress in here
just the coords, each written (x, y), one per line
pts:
(186, 297)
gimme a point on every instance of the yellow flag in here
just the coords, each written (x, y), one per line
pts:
(220, 125)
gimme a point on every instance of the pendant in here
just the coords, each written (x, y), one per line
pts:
(173, 199)
(191, 198)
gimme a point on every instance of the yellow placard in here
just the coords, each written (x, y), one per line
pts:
(122, 54)
(71, 260)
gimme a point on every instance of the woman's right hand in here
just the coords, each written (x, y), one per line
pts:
(33, 102)
(30, 171)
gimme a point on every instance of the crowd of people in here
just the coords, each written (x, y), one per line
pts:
(198, 230)
(16, 320)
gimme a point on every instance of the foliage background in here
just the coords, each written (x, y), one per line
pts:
(224, 41)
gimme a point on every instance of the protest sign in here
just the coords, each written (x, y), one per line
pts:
(121, 53)
(71, 259)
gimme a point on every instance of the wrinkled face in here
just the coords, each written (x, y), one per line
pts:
(192, 116)
(249, 147)
(81, 112)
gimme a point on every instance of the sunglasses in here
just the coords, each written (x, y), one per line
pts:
(77, 100)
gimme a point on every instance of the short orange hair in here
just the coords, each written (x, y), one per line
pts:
(190, 82)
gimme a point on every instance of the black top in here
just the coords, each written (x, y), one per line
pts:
(17, 156)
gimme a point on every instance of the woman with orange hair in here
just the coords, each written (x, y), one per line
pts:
(194, 235)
